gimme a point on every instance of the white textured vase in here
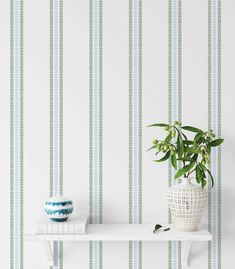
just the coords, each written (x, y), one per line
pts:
(186, 202)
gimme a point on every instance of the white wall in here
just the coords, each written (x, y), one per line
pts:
(115, 120)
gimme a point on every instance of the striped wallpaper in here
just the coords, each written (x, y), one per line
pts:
(135, 127)
(56, 108)
(214, 123)
(95, 127)
(16, 134)
(92, 25)
(174, 99)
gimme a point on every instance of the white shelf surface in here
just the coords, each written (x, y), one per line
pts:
(126, 232)
(123, 232)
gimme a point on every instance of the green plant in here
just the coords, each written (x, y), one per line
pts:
(187, 156)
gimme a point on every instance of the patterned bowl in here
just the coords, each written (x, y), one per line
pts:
(58, 208)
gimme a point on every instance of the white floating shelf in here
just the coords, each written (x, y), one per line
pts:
(125, 232)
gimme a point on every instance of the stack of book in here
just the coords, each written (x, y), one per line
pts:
(76, 225)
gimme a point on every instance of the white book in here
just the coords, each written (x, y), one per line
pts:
(74, 225)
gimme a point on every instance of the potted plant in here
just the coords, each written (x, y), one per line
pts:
(188, 156)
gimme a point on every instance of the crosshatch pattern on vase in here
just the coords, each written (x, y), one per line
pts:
(187, 206)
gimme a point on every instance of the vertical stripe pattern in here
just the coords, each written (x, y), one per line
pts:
(56, 108)
(174, 100)
(95, 126)
(135, 127)
(16, 134)
(214, 123)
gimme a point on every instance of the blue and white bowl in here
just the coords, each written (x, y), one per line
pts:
(58, 208)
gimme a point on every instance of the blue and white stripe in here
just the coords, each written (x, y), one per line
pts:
(214, 102)
(58, 208)
(95, 107)
(57, 104)
(135, 127)
(16, 135)
(174, 106)
(56, 108)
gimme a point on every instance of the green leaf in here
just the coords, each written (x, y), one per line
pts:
(191, 150)
(157, 152)
(168, 138)
(202, 166)
(205, 169)
(157, 226)
(153, 147)
(174, 161)
(216, 142)
(203, 182)
(188, 155)
(186, 159)
(209, 150)
(184, 170)
(185, 137)
(180, 146)
(198, 174)
(158, 125)
(192, 129)
(198, 138)
(167, 229)
(164, 158)
(209, 173)
(211, 177)
(188, 142)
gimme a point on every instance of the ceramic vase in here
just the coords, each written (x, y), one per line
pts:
(186, 202)
(58, 208)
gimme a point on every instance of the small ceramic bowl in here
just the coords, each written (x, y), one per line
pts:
(58, 208)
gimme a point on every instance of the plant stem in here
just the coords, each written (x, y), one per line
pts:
(189, 173)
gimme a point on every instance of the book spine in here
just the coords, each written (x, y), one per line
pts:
(61, 228)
